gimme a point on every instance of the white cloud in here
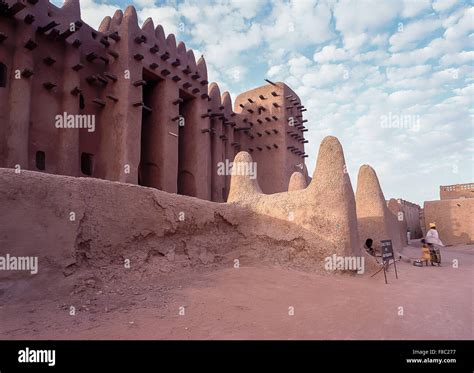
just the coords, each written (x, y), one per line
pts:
(325, 75)
(330, 53)
(355, 41)
(298, 23)
(412, 8)
(93, 13)
(454, 39)
(298, 65)
(379, 40)
(437, 80)
(463, 27)
(166, 16)
(413, 33)
(467, 91)
(406, 98)
(275, 71)
(190, 12)
(416, 56)
(443, 5)
(376, 57)
(247, 8)
(461, 58)
(144, 3)
(452, 18)
(354, 17)
(400, 73)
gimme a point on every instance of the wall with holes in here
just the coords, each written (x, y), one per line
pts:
(136, 105)
(456, 191)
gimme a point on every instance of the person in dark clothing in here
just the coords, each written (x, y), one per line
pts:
(368, 246)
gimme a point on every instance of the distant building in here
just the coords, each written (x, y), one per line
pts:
(456, 191)
(453, 214)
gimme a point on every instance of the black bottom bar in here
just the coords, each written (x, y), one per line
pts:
(138, 356)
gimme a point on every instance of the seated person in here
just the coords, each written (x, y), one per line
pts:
(425, 249)
(368, 246)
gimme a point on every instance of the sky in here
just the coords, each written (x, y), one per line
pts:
(392, 79)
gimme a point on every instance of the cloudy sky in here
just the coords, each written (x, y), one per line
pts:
(392, 79)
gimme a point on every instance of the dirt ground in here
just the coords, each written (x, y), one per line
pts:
(253, 302)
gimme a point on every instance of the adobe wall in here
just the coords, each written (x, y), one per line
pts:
(36, 220)
(128, 79)
(400, 213)
(453, 218)
(456, 191)
(156, 230)
(409, 213)
(412, 215)
(423, 222)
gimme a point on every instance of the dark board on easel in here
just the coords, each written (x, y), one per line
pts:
(387, 250)
(387, 255)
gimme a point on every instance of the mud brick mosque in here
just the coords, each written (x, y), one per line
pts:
(91, 117)
(158, 122)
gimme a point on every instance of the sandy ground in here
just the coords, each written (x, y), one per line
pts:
(257, 303)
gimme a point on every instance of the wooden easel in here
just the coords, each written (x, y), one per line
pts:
(387, 254)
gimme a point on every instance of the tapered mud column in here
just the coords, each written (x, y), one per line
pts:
(242, 186)
(229, 151)
(120, 127)
(370, 206)
(332, 189)
(6, 60)
(194, 151)
(165, 135)
(228, 139)
(68, 139)
(19, 99)
(374, 218)
(216, 145)
(297, 182)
